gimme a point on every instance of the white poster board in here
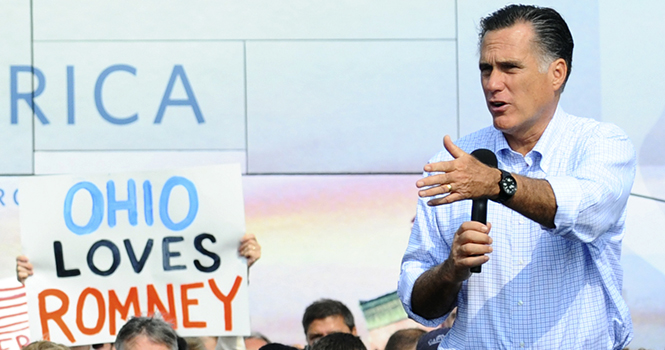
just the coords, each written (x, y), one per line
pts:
(106, 247)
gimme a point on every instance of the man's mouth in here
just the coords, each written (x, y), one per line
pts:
(497, 103)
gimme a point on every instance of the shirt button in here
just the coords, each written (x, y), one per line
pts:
(521, 262)
(521, 344)
(521, 220)
(520, 303)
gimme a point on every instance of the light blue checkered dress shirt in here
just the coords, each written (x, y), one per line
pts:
(542, 288)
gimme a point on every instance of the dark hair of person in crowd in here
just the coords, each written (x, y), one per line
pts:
(45, 345)
(405, 339)
(552, 35)
(277, 346)
(155, 329)
(339, 341)
(323, 308)
(182, 344)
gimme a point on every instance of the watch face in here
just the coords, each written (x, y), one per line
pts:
(509, 185)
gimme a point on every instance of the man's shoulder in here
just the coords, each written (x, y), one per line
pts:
(589, 127)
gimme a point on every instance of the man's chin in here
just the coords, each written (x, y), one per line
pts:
(501, 123)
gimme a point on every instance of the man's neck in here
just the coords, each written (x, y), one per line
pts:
(524, 141)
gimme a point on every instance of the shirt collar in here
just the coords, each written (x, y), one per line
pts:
(544, 144)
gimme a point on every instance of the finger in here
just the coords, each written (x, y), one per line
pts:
(443, 167)
(435, 190)
(252, 257)
(248, 244)
(24, 265)
(454, 151)
(473, 232)
(474, 238)
(474, 226)
(473, 261)
(27, 269)
(251, 252)
(453, 197)
(246, 252)
(247, 237)
(475, 249)
(432, 180)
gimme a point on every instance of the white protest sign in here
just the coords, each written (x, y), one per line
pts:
(14, 329)
(107, 247)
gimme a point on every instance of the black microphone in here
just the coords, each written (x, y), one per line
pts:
(479, 207)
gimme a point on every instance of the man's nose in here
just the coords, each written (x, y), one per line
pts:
(494, 81)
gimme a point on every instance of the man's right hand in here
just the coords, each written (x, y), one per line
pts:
(23, 268)
(435, 291)
(471, 245)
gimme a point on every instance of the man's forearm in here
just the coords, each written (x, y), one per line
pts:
(435, 292)
(534, 199)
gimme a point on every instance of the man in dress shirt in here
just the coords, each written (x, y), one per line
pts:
(551, 277)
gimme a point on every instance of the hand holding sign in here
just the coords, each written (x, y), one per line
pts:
(250, 249)
(23, 268)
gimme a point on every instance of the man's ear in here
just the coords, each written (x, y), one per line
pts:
(353, 331)
(559, 70)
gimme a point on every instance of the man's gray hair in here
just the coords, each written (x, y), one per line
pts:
(155, 329)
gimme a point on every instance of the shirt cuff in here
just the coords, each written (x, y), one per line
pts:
(404, 289)
(568, 196)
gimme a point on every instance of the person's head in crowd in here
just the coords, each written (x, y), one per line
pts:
(194, 343)
(326, 316)
(45, 345)
(255, 341)
(432, 339)
(146, 333)
(102, 346)
(182, 343)
(277, 346)
(405, 339)
(209, 343)
(339, 341)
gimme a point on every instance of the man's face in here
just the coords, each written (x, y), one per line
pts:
(519, 96)
(141, 342)
(324, 326)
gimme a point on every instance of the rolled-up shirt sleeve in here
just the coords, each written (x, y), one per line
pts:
(426, 249)
(592, 197)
